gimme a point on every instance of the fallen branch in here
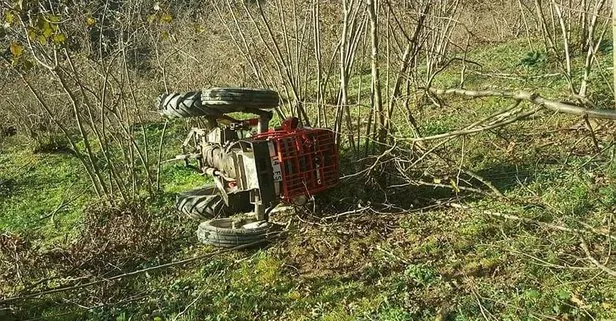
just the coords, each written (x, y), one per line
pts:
(474, 130)
(424, 183)
(530, 97)
(129, 274)
(573, 230)
(515, 76)
(361, 209)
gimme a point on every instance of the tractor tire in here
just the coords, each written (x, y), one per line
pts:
(229, 232)
(183, 105)
(239, 99)
(216, 101)
(205, 203)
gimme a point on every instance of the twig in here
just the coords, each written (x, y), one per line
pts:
(545, 263)
(376, 163)
(424, 183)
(592, 133)
(548, 225)
(389, 253)
(594, 261)
(356, 211)
(481, 307)
(474, 130)
(543, 224)
(160, 153)
(191, 304)
(65, 202)
(133, 273)
(484, 182)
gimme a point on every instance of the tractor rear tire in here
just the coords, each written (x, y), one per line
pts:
(216, 101)
(205, 203)
(229, 232)
(183, 105)
(239, 99)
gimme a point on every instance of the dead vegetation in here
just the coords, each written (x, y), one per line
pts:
(111, 241)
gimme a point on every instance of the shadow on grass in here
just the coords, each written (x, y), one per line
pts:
(506, 176)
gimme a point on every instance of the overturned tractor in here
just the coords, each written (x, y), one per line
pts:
(254, 167)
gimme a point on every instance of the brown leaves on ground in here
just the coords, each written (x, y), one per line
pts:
(338, 249)
(113, 241)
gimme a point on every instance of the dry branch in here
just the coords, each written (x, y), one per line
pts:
(476, 129)
(132, 273)
(595, 261)
(551, 226)
(533, 98)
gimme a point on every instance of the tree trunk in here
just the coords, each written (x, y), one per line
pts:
(377, 100)
(614, 38)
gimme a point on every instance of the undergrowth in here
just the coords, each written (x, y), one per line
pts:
(444, 256)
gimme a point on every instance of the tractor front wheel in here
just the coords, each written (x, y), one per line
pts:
(204, 203)
(230, 232)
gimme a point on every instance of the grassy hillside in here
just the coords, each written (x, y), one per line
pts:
(446, 256)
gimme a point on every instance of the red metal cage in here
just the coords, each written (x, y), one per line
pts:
(305, 160)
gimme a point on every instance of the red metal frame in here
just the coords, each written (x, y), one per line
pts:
(308, 159)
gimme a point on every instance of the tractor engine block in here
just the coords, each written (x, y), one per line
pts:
(287, 164)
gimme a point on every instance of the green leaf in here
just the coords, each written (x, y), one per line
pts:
(454, 185)
(40, 22)
(532, 294)
(47, 29)
(41, 39)
(9, 18)
(32, 33)
(166, 18)
(54, 18)
(26, 64)
(59, 39)
(16, 49)
(563, 294)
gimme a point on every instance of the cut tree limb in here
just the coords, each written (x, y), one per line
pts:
(576, 231)
(475, 129)
(533, 98)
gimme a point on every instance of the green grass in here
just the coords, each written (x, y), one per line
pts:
(444, 263)
(45, 193)
(40, 193)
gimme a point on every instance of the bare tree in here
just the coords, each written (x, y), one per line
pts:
(590, 27)
(614, 51)
(377, 101)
